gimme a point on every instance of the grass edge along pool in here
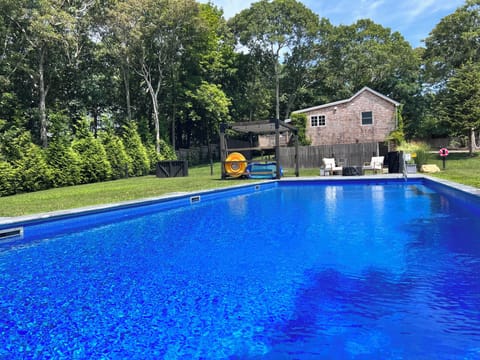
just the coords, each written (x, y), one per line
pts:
(21, 230)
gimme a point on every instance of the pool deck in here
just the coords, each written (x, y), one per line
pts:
(6, 221)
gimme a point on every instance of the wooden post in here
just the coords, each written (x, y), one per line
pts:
(277, 147)
(297, 172)
(223, 149)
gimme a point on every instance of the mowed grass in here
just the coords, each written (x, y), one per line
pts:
(460, 167)
(200, 178)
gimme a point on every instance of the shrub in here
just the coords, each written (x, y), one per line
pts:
(32, 171)
(94, 165)
(300, 122)
(135, 150)
(153, 158)
(7, 179)
(117, 155)
(418, 150)
(10, 147)
(64, 162)
(166, 153)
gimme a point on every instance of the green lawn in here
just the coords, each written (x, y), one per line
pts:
(111, 191)
(460, 168)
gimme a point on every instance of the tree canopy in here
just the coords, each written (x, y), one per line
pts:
(452, 60)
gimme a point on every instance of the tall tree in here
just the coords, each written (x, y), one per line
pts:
(250, 88)
(463, 101)
(454, 42)
(50, 40)
(206, 56)
(116, 37)
(210, 107)
(275, 29)
(10, 55)
(157, 30)
(367, 54)
(302, 69)
(452, 56)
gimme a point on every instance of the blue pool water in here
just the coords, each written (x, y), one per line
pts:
(296, 271)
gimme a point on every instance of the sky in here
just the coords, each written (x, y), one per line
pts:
(414, 19)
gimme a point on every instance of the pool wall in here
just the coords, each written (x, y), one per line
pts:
(44, 225)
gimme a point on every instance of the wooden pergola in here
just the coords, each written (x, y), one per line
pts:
(267, 127)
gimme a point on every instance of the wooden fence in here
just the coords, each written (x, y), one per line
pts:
(350, 154)
(308, 156)
(199, 155)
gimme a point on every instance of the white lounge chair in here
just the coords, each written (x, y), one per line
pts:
(376, 164)
(330, 167)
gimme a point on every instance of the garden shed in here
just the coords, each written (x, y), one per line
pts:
(366, 117)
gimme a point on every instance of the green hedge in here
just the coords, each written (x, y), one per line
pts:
(136, 150)
(26, 167)
(7, 179)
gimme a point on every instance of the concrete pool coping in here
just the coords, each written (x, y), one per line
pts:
(6, 221)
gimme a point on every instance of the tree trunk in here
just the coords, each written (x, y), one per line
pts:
(174, 116)
(43, 96)
(472, 145)
(174, 107)
(277, 90)
(95, 122)
(126, 83)
(156, 119)
(146, 74)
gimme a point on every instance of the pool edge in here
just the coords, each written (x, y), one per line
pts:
(87, 210)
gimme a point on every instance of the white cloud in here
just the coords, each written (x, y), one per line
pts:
(414, 9)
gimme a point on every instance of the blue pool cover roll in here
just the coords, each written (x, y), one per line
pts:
(263, 170)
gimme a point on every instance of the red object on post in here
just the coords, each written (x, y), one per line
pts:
(443, 152)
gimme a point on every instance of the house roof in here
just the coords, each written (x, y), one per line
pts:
(366, 88)
(261, 127)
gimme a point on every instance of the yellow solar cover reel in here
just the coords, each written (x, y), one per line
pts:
(235, 164)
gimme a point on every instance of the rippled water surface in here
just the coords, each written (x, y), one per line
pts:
(296, 272)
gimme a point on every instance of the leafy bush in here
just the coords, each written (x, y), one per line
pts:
(153, 158)
(31, 169)
(117, 155)
(7, 179)
(64, 162)
(300, 122)
(10, 148)
(418, 150)
(94, 164)
(135, 150)
(166, 153)
(397, 136)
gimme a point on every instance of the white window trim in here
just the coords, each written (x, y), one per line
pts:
(318, 116)
(361, 118)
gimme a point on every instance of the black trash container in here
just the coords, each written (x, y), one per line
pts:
(172, 168)
(393, 161)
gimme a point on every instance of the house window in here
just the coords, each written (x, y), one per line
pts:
(317, 120)
(367, 118)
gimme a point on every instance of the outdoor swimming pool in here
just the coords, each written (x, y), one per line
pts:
(329, 270)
